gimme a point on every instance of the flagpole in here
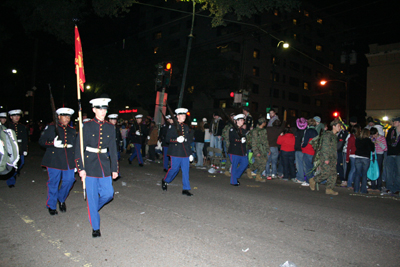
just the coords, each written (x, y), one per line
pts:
(80, 128)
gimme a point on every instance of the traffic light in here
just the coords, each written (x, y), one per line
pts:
(188, 114)
(160, 74)
(232, 94)
(194, 119)
(246, 104)
(335, 114)
(167, 68)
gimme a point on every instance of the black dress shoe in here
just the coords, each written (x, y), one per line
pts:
(186, 192)
(11, 186)
(62, 206)
(141, 165)
(238, 183)
(53, 212)
(96, 233)
(165, 170)
(130, 161)
(163, 185)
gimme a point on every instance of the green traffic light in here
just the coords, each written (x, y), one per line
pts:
(194, 119)
(247, 104)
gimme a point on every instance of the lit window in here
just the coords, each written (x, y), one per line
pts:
(294, 36)
(306, 86)
(319, 21)
(256, 54)
(256, 71)
(306, 13)
(222, 104)
(157, 35)
(318, 47)
(294, 21)
(276, 13)
(155, 50)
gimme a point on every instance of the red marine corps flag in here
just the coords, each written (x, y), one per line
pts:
(80, 72)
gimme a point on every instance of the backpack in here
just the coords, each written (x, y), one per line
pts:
(9, 152)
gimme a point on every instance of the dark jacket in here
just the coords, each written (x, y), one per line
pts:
(299, 138)
(342, 136)
(22, 136)
(101, 135)
(58, 158)
(218, 127)
(199, 136)
(391, 138)
(137, 139)
(273, 133)
(236, 147)
(163, 134)
(176, 149)
(364, 147)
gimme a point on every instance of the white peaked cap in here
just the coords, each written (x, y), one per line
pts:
(15, 112)
(239, 116)
(65, 111)
(113, 116)
(100, 102)
(3, 115)
(139, 116)
(181, 110)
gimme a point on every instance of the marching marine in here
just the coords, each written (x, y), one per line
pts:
(237, 149)
(3, 118)
(99, 164)
(164, 143)
(22, 138)
(179, 150)
(113, 118)
(136, 135)
(59, 160)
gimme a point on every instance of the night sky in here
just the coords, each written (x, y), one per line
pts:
(368, 22)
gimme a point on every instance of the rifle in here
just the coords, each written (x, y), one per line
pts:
(165, 119)
(233, 123)
(176, 124)
(53, 108)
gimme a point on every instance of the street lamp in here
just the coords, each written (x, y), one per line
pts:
(285, 45)
(324, 82)
(14, 71)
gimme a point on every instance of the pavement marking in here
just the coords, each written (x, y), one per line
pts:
(56, 243)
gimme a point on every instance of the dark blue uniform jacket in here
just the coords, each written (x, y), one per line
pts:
(101, 135)
(176, 149)
(58, 158)
(236, 147)
(22, 136)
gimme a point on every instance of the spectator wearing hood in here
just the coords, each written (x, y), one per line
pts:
(319, 126)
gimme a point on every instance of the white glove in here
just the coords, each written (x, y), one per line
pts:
(75, 170)
(57, 143)
(148, 137)
(191, 158)
(69, 146)
(137, 132)
(243, 140)
(25, 153)
(180, 139)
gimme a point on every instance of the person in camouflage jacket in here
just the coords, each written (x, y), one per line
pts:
(260, 147)
(326, 158)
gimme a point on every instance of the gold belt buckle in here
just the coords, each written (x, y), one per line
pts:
(98, 150)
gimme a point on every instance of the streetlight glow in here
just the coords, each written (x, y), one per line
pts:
(323, 82)
(14, 71)
(385, 118)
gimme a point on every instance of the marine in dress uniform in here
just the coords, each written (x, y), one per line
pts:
(179, 151)
(98, 166)
(113, 119)
(164, 143)
(59, 160)
(136, 133)
(237, 150)
(22, 138)
(3, 118)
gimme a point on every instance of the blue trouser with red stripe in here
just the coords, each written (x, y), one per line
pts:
(12, 179)
(54, 193)
(99, 191)
(176, 165)
(136, 152)
(165, 157)
(237, 171)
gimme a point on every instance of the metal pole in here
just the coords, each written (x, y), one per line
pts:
(187, 59)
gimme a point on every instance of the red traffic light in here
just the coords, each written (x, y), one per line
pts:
(335, 114)
(232, 94)
(168, 66)
(188, 113)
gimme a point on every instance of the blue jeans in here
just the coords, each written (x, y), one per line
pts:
(217, 144)
(393, 173)
(288, 164)
(362, 165)
(308, 166)
(352, 173)
(299, 165)
(273, 160)
(199, 151)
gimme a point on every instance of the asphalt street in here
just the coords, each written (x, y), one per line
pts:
(255, 224)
